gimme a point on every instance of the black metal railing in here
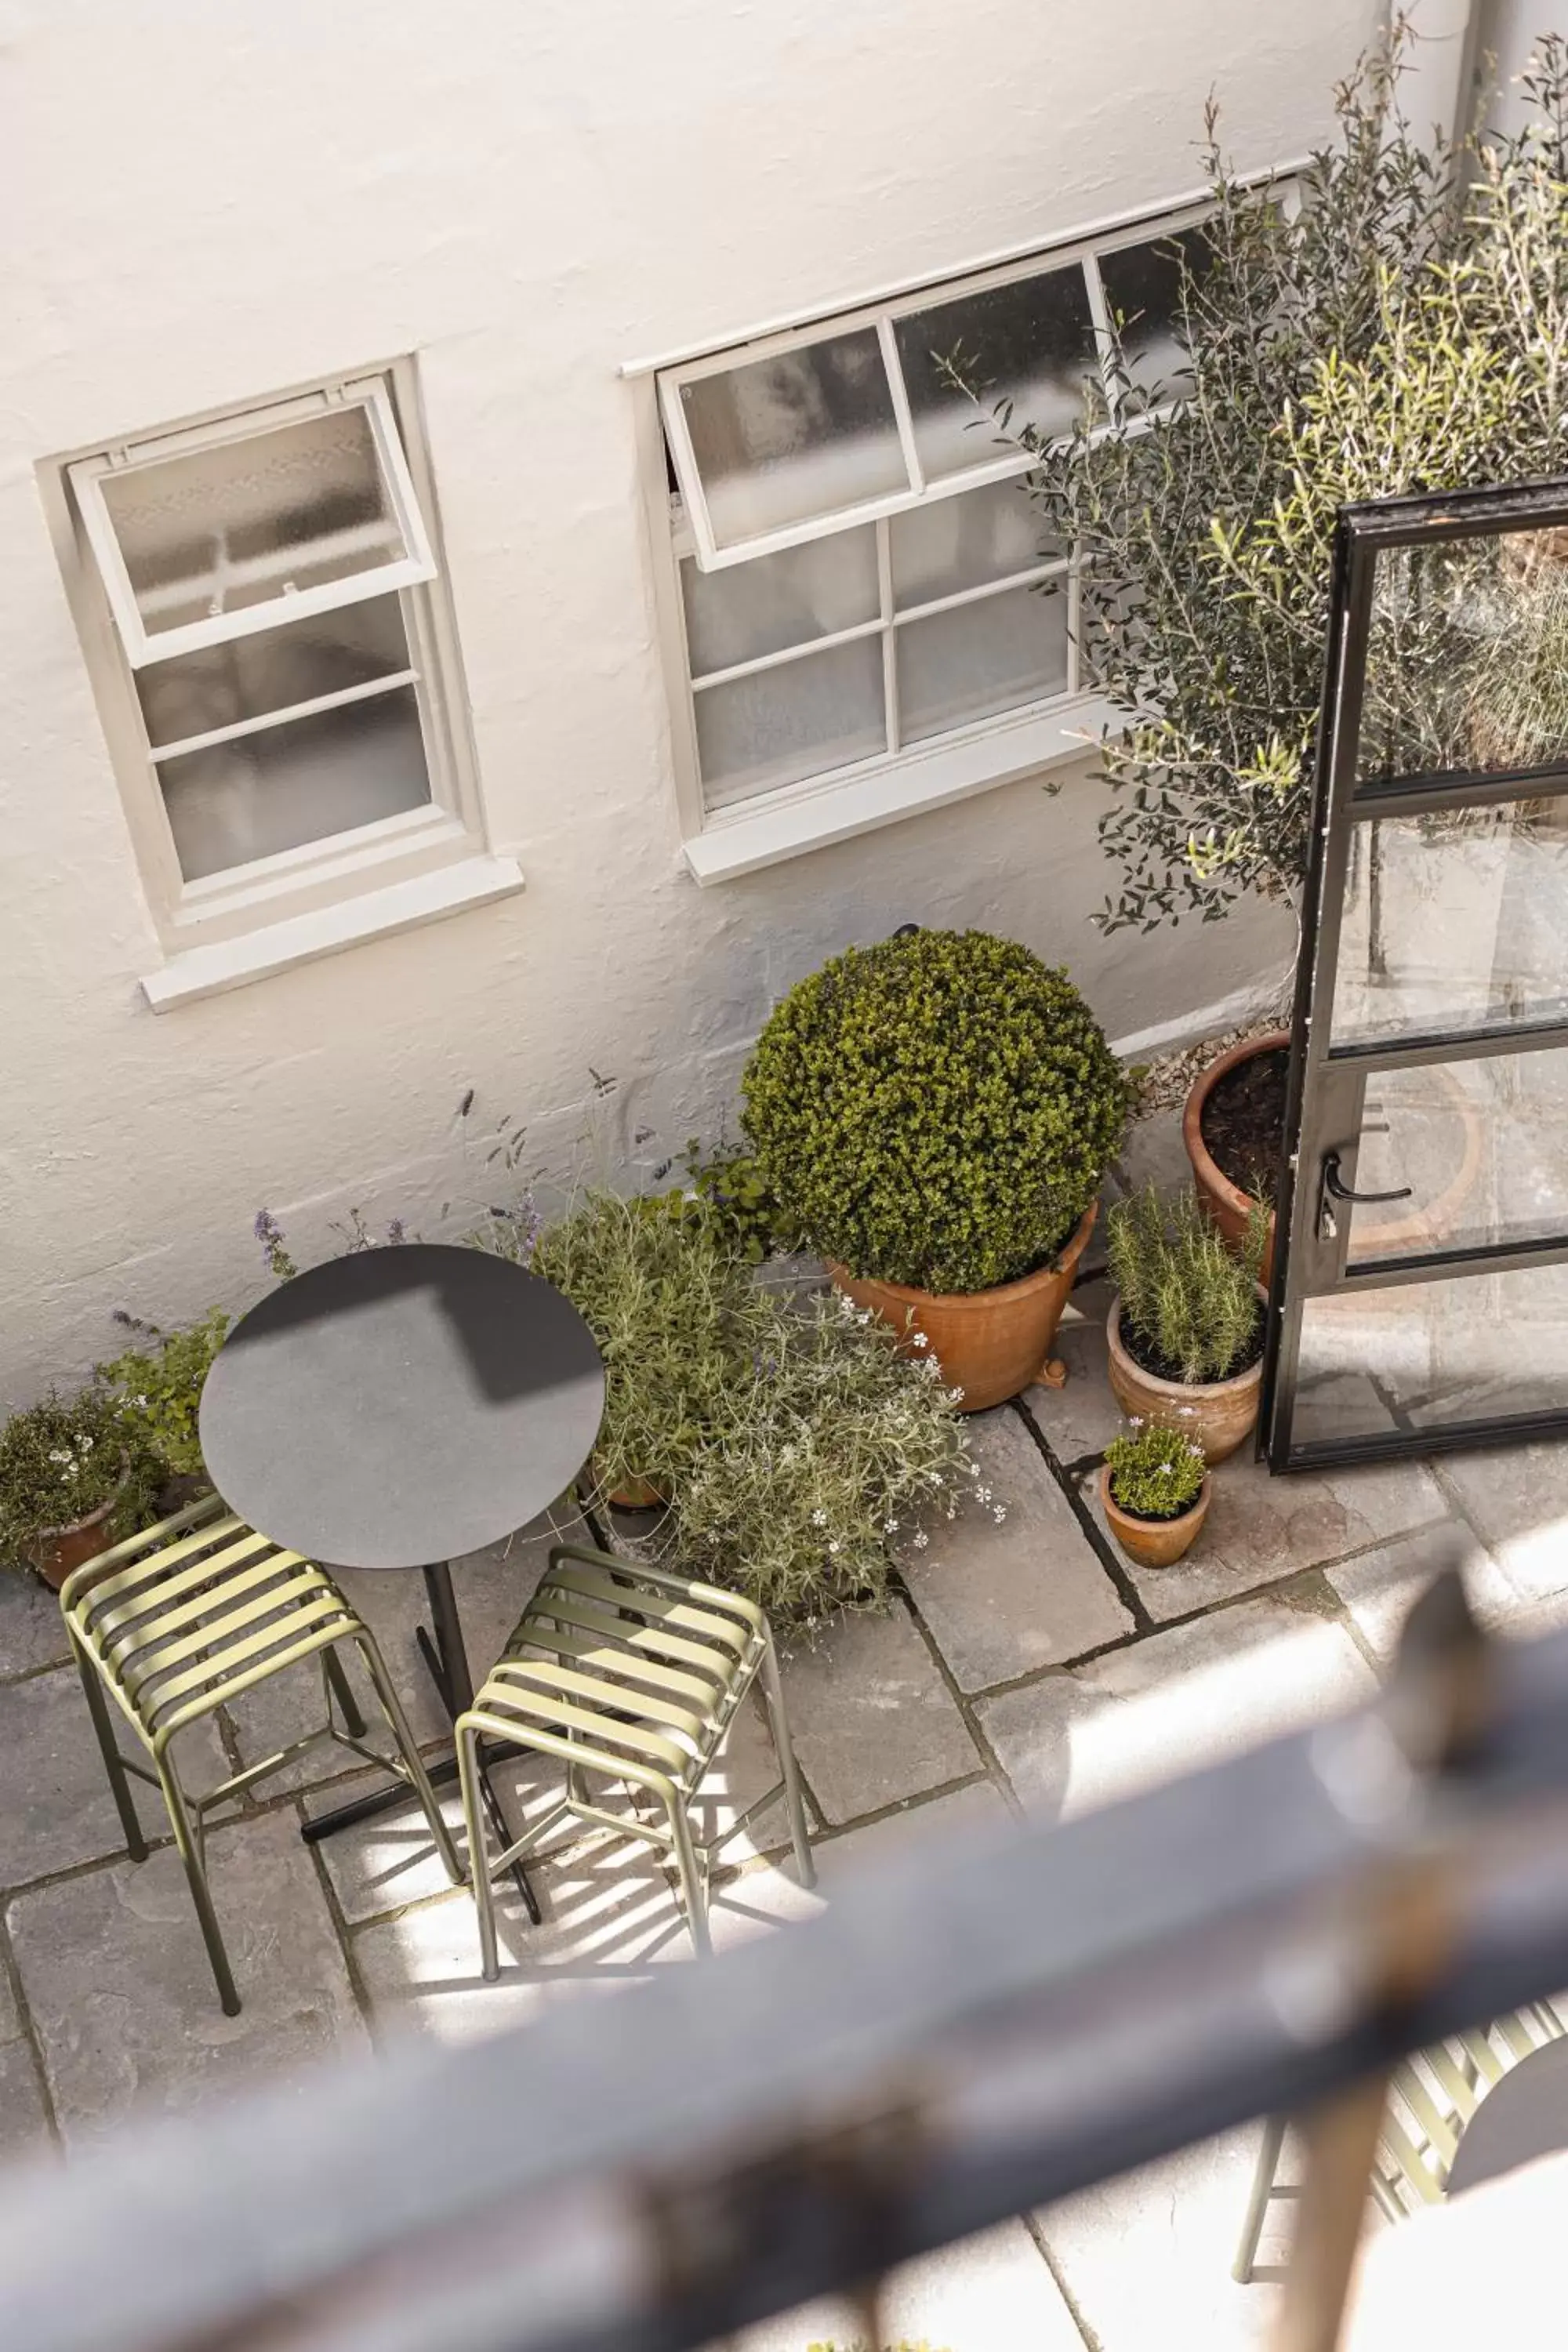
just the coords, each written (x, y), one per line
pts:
(969, 2032)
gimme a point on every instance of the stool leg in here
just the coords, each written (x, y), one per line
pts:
(692, 1884)
(1257, 2202)
(192, 1855)
(339, 1687)
(778, 1723)
(392, 1706)
(119, 1779)
(478, 1856)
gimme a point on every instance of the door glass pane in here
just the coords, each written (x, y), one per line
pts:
(220, 686)
(980, 658)
(798, 719)
(1421, 1354)
(806, 433)
(1031, 342)
(300, 782)
(1143, 288)
(1468, 657)
(1455, 921)
(1483, 1146)
(963, 542)
(225, 528)
(752, 609)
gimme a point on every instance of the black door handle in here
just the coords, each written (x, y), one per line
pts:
(1342, 1192)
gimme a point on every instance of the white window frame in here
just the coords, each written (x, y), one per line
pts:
(343, 885)
(1082, 253)
(88, 476)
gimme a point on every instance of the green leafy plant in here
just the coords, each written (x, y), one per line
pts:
(1155, 1472)
(730, 1188)
(157, 1387)
(829, 1443)
(1188, 1302)
(1402, 329)
(59, 1460)
(938, 1109)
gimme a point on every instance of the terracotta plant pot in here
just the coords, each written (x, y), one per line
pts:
(55, 1552)
(1157, 1543)
(1218, 1415)
(636, 1495)
(1227, 1204)
(989, 1343)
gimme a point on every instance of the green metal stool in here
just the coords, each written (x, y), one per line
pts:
(1431, 2098)
(629, 1672)
(192, 1612)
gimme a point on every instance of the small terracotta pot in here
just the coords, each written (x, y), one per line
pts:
(1226, 1206)
(989, 1343)
(636, 1495)
(1218, 1415)
(56, 1551)
(1157, 1543)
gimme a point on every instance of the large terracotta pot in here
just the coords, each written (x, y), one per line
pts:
(1227, 1206)
(1157, 1543)
(1218, 1415)
(990, 1343)
(56, 1551)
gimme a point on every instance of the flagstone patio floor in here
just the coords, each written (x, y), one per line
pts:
(1026, 1668)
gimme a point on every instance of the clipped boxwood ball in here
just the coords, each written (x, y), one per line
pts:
(938, 1110)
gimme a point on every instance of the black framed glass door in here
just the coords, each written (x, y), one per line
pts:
(1421, 1297)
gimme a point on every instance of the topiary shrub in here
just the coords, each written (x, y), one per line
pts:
(938, 1109)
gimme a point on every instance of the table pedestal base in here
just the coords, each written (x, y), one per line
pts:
(446, 1661)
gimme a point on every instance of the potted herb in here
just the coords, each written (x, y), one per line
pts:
(1398, 329)
(70, 1482)
(157, 1386)
(1186, 1326)
(935, 1114)
(1154, 1487)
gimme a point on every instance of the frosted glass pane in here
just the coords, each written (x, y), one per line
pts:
(781, 440)
(757, 608)
(1454, 923)
(1031, 342)
(981, 658)
(1475, 1348)
(195, 693)
(1143, 284)
(222, 529)
(1466, 658)
(963, 542)
(799, 719)
(296, 782)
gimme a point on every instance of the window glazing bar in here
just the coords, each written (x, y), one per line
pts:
(338, 701)
(1479, 1045)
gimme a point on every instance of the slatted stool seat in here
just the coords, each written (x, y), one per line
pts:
(626, 1674)
(194, 1611)
(1431, 2099)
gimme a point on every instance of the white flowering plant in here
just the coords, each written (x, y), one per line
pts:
(59, 1461)
(1156, 1472)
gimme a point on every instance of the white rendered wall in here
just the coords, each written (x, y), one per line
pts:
(207, 203)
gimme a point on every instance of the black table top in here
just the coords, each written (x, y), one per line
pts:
(402, 1405)
(1523, 2116)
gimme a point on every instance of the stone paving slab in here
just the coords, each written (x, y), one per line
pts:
(116, 1978)
(24, 2124)
(1517, 1499)
(872, 1719)
(993, 2293)
(1178, 1700)
(32, 1630)
(1003, 1599)
(1081, 1419)
(1153, 1153)
(56, 1810)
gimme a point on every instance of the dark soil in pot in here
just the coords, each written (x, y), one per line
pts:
(1149, 1359)
(1243, 1125)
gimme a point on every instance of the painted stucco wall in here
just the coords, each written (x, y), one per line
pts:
(207, 203)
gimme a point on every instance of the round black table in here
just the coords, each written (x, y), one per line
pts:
(1523, 2116)
(394, 1408)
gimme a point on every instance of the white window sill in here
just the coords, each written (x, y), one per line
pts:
(210, 971)
(758, 833)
